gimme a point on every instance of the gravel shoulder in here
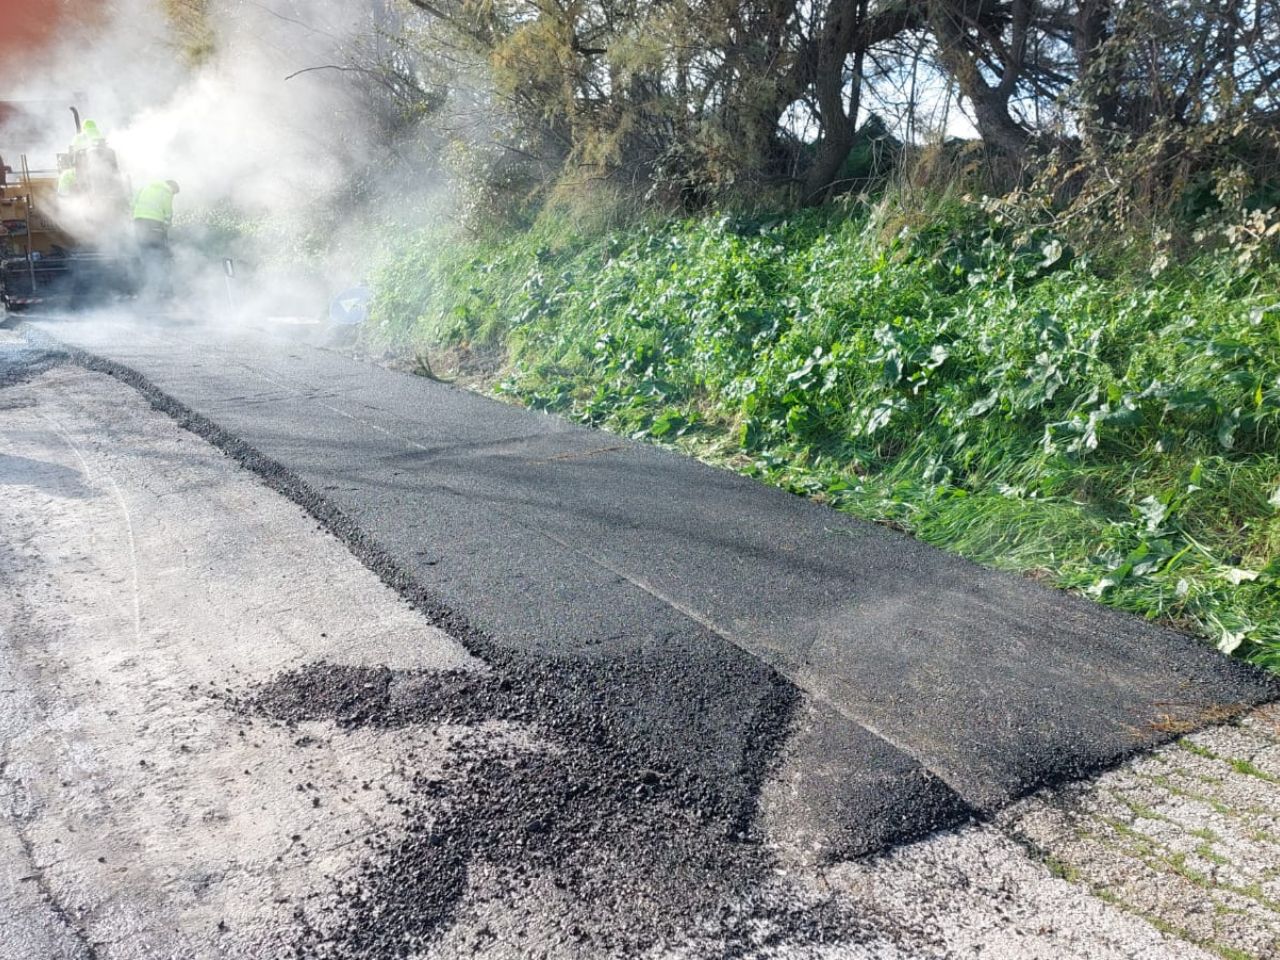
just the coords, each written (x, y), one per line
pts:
(221, 731)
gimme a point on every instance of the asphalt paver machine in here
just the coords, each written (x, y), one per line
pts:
(64, 228)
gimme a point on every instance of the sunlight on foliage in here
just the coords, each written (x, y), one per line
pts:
(995, 393)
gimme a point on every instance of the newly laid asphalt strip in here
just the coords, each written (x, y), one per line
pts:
(724, 623)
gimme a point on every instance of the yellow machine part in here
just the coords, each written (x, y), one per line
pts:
(31, 204)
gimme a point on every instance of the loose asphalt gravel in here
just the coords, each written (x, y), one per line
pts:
(677, 633)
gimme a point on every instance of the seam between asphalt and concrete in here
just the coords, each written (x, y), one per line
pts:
(277, 475)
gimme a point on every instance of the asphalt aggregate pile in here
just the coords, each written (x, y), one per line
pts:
(642, 854)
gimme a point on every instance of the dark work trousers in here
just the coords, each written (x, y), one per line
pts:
(155, 258)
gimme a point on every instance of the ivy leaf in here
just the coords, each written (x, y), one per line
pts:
(673, 420)
(1153, 511)
(881, 414)
(1228, 349)
(807, 367)
(1124, 416)
(1052, 254)
(1121, 571)
(1112, 579)
(1238, 575)
(1089, 441)
(1190, 400)
(1227, 429)
(1231, 640)
(891, 371)
(979, 407)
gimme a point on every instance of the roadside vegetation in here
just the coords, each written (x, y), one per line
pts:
(982, 385)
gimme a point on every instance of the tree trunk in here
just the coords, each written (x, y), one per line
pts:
(952, 24)
(839, 128)
(1090, 30)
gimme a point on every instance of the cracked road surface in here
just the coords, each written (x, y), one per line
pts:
(225, 737)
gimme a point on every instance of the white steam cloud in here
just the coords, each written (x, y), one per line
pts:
(232, 129)
(247, 127)
(267, 124)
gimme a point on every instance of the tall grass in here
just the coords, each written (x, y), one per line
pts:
(990, 390)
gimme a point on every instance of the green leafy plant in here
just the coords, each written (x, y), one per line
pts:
(979, 384)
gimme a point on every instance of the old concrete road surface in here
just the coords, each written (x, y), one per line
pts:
(676, 697)
(143, 581)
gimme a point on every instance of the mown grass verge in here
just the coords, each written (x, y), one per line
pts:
(990, 390)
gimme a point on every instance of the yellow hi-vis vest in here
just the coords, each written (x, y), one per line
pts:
(154, 202)
(67, 182)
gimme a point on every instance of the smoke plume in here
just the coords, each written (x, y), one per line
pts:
(247, 104)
